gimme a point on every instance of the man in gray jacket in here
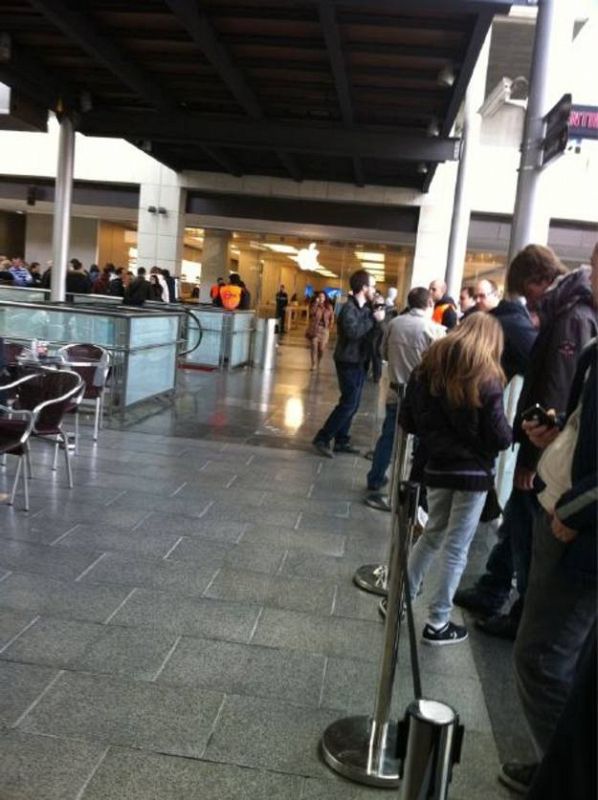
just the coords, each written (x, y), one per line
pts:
(355, 321)
(407, 338)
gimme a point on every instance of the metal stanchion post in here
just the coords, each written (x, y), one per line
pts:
(364, 748)
(374, 577)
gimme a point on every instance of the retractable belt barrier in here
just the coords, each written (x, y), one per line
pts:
(374, 577)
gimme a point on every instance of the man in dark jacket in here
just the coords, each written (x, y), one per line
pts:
(565, 307)
(77, 281)
(139, 290)
(282, 301)
(520, 334)
(355, 321)
(560, 606)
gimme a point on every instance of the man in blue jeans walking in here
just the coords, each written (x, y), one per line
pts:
(406, 339)
(355, 321)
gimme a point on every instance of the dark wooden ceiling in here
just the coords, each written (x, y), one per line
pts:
(342, 90)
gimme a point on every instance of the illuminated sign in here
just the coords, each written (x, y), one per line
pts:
(583, 122)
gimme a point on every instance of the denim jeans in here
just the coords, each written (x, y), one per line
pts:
(558, 616)
(351, 378)
(512, 553)
(453, 518)
(383, 449)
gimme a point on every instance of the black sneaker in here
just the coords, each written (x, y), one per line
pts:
(323, 448)
(503, 626)
(477, 601)
(346, 448)
(518, 777)
(450, 634)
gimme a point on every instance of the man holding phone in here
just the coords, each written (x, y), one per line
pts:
(565, 307)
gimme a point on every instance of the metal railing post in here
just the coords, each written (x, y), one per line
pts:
(363, 748)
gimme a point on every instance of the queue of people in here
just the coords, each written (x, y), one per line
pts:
(452, 364)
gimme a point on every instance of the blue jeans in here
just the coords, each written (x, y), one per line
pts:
(383, 449)
(351, 378)
(512, 553)
(453, 518)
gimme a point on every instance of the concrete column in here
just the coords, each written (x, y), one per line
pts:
(160, 234)
(434, 228)
(215, 261)
(551, 55)
(472, 121)
(63, 200)
(249, 270)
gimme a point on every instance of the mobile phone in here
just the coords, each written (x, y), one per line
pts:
(538, 414)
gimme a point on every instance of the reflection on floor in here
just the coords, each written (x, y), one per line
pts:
(183, 623)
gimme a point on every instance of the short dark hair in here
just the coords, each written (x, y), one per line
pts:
(418, 297)
(141, 271)
(75, 263)
(469, 289)
(359, 280)
(534, 264)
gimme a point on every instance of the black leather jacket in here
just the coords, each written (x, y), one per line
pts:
(353, 325)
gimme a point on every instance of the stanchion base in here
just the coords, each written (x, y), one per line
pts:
(346, 749)
(371, 578)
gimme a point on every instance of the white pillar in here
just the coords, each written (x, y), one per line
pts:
(550, 58)
(215, 260)
(472, 120)
(63, 200)
(434, 228)
(161, 232)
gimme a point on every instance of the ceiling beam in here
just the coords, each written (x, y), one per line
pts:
(200, 29)
(78, 28)
(202, 32)
(325, 140)
(224, 159)
(443, 6)
(27, 73)
(334, 48)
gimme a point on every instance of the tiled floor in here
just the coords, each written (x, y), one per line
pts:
(183, 623)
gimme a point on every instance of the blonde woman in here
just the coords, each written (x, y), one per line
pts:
(321, 316)
(454, 403)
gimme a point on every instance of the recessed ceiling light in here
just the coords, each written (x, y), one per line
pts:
(363, 256)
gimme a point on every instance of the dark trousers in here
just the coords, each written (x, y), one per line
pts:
(350, 380)
(569, 766)
(383, 449)
(558, 617)
(512, 553)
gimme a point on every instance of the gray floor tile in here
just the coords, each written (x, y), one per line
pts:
(223, 532)
(20, 686)
(356, 604)
(11, 623)
(337, 789)
(240, 556)
(294, 503)
(128, 775)
(70, 600)
(313, 634)
(227, 512)
(36, 767)
(182, 615)
(128, 713)
(271, 735)
(53, 642)
(43, 560)
(323, 542)
(307, 564)
(27, 528)
(475, 777)
(296, 594)
(161, 574)
(247, 670)
(103, 537)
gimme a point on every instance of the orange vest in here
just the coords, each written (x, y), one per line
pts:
(214, 291)
(230, 296)
(439, 312)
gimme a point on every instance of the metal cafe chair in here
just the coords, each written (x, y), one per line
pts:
(48, 394)
(92, 363)
(15, 429)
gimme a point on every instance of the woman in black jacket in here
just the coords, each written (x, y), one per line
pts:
(454, 403)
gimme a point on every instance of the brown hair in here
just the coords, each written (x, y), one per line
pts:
(534, 264)
(464, 360)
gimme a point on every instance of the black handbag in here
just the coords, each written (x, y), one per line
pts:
(492, 508)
